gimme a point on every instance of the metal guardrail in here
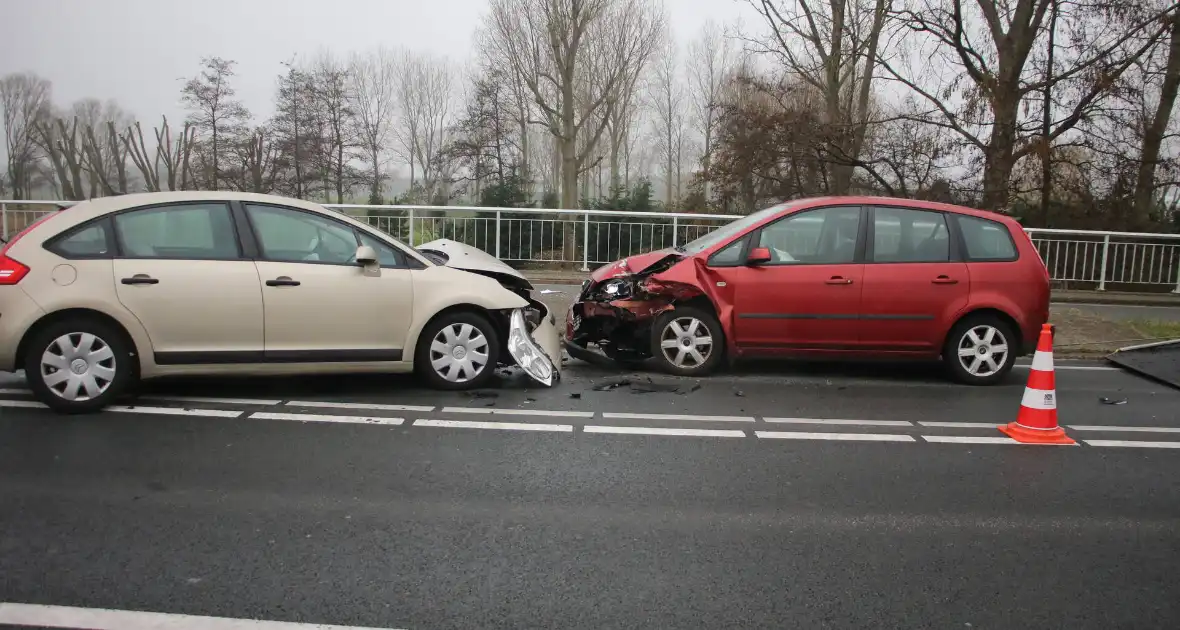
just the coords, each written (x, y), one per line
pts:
(586, 238)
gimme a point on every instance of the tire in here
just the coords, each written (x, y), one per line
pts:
(91, 382)
(981, 344)
(459, 324)
(676, 326)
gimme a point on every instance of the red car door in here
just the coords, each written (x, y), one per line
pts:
(914, 282)
(807, 296)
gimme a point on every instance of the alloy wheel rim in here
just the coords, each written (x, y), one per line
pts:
(983, 350)
(686, 342)
(78, 366)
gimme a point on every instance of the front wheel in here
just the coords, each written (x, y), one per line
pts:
(457, 351)
(687, 341)
(980, 350)
(78, 365)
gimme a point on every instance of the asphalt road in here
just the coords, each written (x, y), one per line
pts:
(796, 496)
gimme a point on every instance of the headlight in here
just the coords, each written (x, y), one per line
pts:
(617, 289)
(528, 355)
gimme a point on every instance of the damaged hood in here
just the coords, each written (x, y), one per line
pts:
(634, 264)
(476, 260)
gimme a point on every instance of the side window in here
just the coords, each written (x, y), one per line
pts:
(986, 240)
(287, 235)
(729, 255)
(199, 231)
(89, 242)
(825, 236)
(902, 235)
(386, 254)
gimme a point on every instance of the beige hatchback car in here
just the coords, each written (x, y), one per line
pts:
(113, 290)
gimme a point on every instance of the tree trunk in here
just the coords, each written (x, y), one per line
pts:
(1153, 136)
(999, 152)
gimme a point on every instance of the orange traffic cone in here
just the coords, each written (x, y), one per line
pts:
(1037, 421)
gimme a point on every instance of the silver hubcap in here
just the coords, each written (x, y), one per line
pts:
(686, 342)
(983, 350)
(459, 352)
(78, 366)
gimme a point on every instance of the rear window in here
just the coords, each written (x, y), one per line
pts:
(986, 240)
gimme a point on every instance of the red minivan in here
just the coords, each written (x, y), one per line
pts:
(851, 276)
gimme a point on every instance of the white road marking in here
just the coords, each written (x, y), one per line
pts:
(674, 416)
(344, 405)
(510, 426)
(839, 437)
(16, 392)
(968, 439)
(1133, 444)
(961, 425)
(28, 404)
(1090, 368)
(176, 411)
(311, 417)
(867, 423)
(659, 431)
(519, 412)
(1095, 427)
(106, 619)
(212, 401)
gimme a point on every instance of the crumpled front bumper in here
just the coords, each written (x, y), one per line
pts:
(537, 353)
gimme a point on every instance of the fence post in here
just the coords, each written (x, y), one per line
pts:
(411, 227)
(675, 225)
(4, 220)
(497, 234)
(1102, 272)
(586, 242)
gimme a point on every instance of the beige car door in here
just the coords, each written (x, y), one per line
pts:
(180, 271)
(320, 305)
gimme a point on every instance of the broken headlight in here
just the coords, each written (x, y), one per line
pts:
(528, 354)
(617, 289)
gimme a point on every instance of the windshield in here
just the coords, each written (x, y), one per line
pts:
(732, 229)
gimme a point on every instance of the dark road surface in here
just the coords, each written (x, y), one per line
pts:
(404, 519)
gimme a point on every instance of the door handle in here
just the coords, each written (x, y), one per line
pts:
(837, 280)
(282, 281)
(944, 280)
(140, 278)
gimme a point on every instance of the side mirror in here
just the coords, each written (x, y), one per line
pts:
(758, 255)
(366, 256)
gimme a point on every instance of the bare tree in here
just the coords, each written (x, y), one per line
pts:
(215, 113)
(556, 46)
(373, 90)
(668, 105)
(426, 95)
(835, 50)
(294, 124)
(1157, 126)
(24, 103)
(336, 124)
(710, 62)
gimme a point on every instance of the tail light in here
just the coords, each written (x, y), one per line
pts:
(13, 271)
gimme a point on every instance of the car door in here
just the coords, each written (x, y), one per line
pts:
(180, 270)
(914, 280)
(320, 305)
(807, 297)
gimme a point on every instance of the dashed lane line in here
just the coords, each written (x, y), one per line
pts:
(344, 405)
(867, 423)
(973, 439)
(1113, 429)
(609, 415)
(510, 426)
(44, 616)
(665, 431)
(311, 417)
(176, 411)
(960, 425)
(519, 412)
(248, 402)
(838, 437)
(1132, 444)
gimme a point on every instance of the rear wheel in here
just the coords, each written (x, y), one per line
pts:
(78, 365)
(980, 350)
(458, 351)
(687, 341)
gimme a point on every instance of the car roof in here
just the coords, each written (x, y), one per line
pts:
(908, 203)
